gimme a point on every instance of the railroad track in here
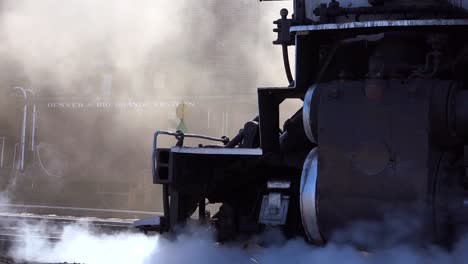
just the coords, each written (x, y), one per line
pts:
(8, 260)
(12, 224)
(49, 228)
(14, 219)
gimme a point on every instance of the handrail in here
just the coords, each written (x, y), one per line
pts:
(42, 165)
(13, 166)
(25, 92)
(23, 128)
(179, 135)
(34, 120)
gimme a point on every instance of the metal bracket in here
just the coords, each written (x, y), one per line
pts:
(274, 209)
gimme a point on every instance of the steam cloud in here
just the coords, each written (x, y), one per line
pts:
(79, 244)
(154, 50)
(388, 242)
(55, 46)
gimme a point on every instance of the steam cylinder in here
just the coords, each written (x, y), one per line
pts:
(377, 157)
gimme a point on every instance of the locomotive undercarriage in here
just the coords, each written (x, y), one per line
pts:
(383, 129)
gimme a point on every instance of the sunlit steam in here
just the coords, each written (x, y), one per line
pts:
(57, 46)
(160, 49)
(92, 64)
(385, 243)
(79, 244)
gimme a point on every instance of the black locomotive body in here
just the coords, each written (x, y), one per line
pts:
(383, 129)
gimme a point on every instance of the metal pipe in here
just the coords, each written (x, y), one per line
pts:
(3, 151)
(236, 140)
(239, 137)
(23, 137)
(287, 67)
(162, 132)
(34, 118)
(14, 156)
(33, 129)
(23, 129)
(42, 165)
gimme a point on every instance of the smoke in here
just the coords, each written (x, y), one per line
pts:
(387, 242)
(80, 56)
(156, 49)
(59, 46)
(79, 243)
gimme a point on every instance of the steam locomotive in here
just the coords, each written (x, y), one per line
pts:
(383, 128)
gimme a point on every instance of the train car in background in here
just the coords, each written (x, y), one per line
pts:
(87, 153)
(9, 136)
(87, 144)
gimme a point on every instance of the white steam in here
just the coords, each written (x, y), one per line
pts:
(142, 51)
(78, 244)
(388, 242)
(58, 45)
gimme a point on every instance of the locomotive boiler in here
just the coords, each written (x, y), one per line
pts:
(383, 129)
